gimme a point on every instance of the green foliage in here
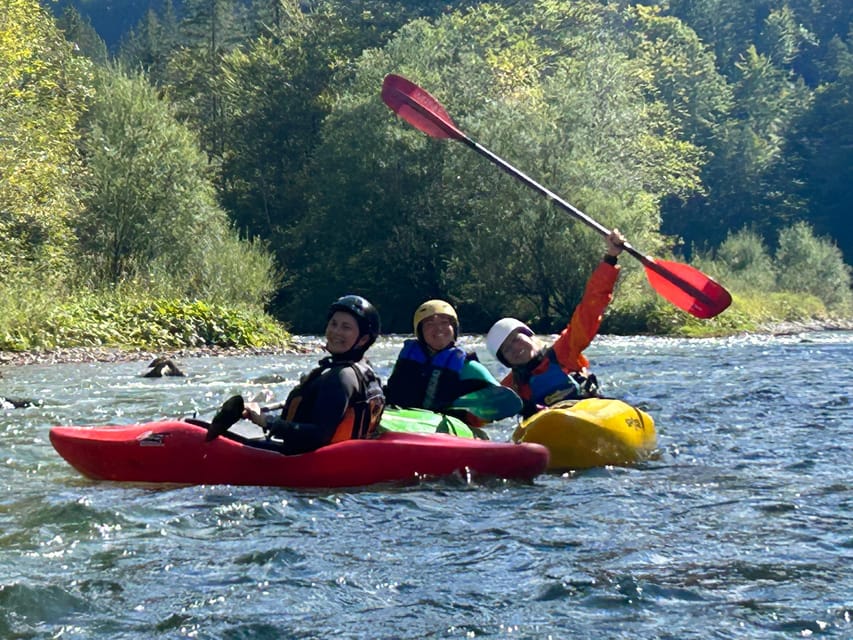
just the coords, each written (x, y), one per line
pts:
(209, 30)
(80, 31)
(27, 301)
(783, 37)
(749, 150)
(803, 264)
(149, 44)
(43, 88)
(820, 170)
(684, 74)
(228, 270)
(757, 311)
(151, 214)
(742, 263)
(813, 265)
(137, 320)
(689, 119)
(273, 116)
(761, 298)
(747, 177)
(468, 231)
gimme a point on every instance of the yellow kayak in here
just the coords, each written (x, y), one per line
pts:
(594, 432)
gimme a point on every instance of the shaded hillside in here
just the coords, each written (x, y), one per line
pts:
(112, 19)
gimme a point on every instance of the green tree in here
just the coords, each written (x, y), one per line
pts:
(545, 85)
(79, 30)
(810, 264)
(746, 157)
(151, 42)
(783, 38)
(744, 263)
(43, 89)
(821, 152)
(826, 21)
(209, 29)
(272, 92)
(276, 90)
(726, 25)
(685, 78)
(151, 214)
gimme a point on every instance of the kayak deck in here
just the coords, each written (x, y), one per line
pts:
(594, 432)
(176, 452)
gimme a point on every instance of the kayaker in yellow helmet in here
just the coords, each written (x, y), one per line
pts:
(432, 371)
(544, 375)
(342, 398)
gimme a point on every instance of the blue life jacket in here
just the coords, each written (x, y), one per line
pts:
(425, 382)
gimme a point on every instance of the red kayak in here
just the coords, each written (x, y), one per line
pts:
(176, 452)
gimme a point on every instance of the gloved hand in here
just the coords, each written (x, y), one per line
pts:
(252, 412)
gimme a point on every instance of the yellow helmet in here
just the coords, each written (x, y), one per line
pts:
(435, 307)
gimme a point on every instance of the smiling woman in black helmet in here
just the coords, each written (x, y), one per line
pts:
(342, 398)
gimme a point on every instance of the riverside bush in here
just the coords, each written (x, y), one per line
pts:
(810, 264)
(104, 320)
(743, 263)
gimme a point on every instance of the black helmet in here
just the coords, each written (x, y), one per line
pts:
(365, 314)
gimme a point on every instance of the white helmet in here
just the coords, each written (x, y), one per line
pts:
(500, 331)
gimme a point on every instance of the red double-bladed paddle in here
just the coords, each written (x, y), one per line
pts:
(684, 286)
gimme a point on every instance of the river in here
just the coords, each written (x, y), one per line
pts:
(741, 527)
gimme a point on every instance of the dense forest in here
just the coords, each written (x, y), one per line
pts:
(238, 152)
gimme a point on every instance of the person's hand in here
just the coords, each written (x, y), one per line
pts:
(615, 242)
(252, 412)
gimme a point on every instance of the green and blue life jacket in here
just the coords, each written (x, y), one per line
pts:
(428, 382)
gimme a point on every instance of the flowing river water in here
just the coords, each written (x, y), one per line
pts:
(741, 527)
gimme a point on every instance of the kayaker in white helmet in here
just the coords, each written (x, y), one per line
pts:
(544, 375)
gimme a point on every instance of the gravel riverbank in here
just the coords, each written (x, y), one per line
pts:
(112, 354)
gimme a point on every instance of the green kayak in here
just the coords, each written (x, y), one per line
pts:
(423, 421)
(489, 404)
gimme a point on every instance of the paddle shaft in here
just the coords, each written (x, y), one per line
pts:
(454, 132)
(646, 261)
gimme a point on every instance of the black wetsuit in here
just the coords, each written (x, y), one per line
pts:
(317, 406)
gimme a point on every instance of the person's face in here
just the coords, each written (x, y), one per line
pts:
(437, 331)
(519, 348)
(342, 333)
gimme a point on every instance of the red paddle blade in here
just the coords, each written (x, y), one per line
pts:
(418, 108)
(688, 288)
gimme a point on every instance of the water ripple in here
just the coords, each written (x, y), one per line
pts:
(739, 527)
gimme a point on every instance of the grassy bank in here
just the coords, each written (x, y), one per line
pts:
(134, 322)
(765, 313)
(748, 313)
(111, 327)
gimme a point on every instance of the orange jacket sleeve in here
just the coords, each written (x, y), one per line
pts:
(586, 318)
